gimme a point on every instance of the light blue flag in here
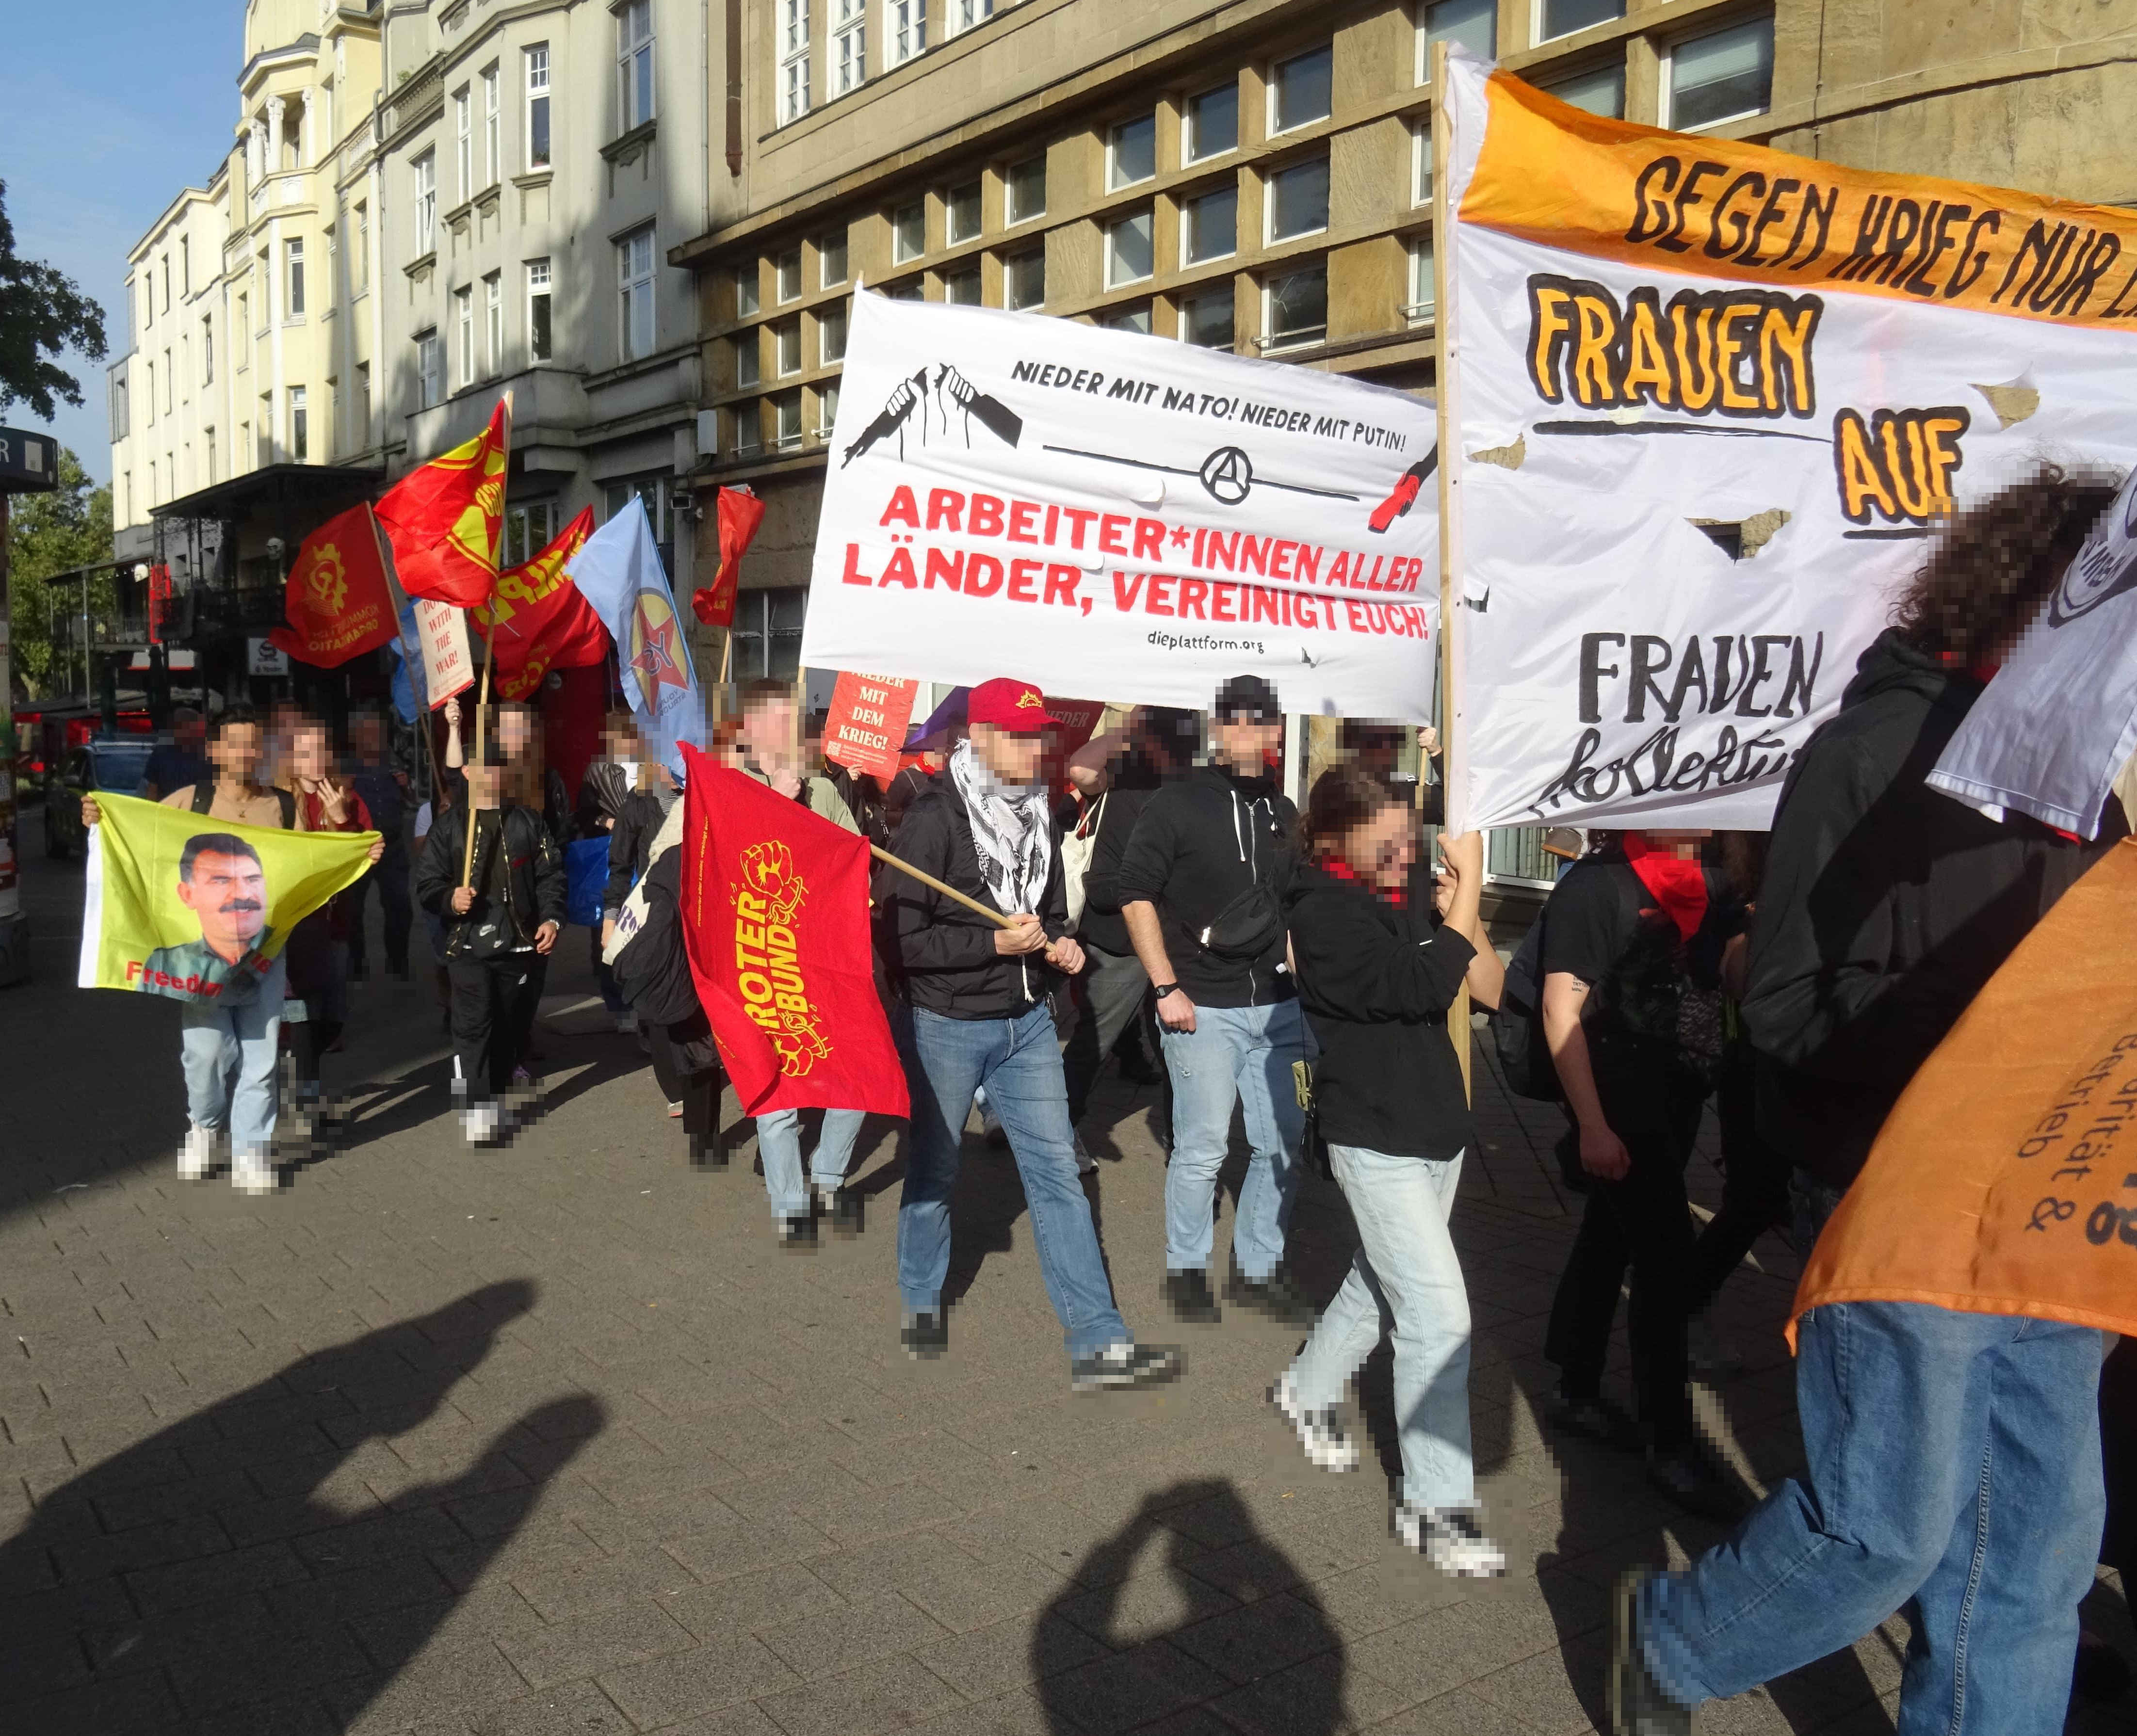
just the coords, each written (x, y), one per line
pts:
(618, 571)
(409, 681)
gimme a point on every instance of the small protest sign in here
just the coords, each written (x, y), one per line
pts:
(865, 730)
(448, 669)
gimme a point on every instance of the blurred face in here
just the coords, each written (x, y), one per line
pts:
(484, 783)
(229, 895)
(190, 732)
(515, 733)
(771, 727)
(235, 752)
(367, 736)
(1013, 759)
(1683, 845)
(309, 758)
(1247, 748)
(1381, 851)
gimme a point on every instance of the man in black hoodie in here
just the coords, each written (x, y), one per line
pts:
(1954, 1457)
(1201, 886)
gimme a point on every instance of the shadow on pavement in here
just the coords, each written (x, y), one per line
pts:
(208, 1568)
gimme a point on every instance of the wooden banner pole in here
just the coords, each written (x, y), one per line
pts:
(489, 656)
(951, 892)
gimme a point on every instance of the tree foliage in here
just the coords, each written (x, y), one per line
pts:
(42, 313)
(47, 534)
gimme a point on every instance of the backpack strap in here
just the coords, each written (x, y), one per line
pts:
(203, 795)
(288, 803)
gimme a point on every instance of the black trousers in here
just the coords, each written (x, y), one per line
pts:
(698, 1092)
(389, 875)
(1643, 1222)
(493, 1013)
(1755, 1185)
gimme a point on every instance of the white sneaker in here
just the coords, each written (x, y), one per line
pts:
(480, 1123)
(197, 1155)
(1451, 1539)
(1319, 1432)
(250, 1173)
(1085, 1162)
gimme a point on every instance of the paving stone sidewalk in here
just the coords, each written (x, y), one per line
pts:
(553, 1438)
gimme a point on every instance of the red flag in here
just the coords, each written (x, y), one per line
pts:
(337, 598)
(741, 513)
(775, 921)
(543, 621)
(445, 518)
(865, 730)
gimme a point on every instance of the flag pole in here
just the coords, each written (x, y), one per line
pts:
(488, 653)
(951, 892)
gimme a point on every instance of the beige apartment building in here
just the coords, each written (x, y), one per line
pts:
(1257, 175)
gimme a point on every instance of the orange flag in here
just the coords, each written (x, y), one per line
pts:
(445, 520)
(542, 623)
(2004, 1181)
(337, 600)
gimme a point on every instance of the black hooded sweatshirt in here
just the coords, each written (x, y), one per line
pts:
(1886, 905)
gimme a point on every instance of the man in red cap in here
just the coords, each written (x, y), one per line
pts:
(979, 993)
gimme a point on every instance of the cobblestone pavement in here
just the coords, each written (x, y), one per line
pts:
(553, 1439)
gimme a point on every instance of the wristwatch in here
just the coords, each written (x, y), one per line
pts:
(1160, 990)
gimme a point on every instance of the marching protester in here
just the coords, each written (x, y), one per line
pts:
(1200, 885)
(1953, 1457)
(230, 1045)
(1380, 965)
(771, 753)
(1631, 954)
(319, 949)
(384, 787)
(499, 931)
(608, 782)
(639, 817)
(178, 763)
(980, 1016)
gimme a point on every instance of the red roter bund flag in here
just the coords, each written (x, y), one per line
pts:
(775, 921)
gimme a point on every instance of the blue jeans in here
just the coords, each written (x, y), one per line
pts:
(229, 1054)
(1953, 1461)
(1242, 1053)
(1019, 1061)
(779, 1144)
(1404, 1279)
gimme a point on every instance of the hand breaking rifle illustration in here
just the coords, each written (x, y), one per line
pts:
(940, 412)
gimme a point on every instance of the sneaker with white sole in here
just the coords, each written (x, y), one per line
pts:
(197, 1155)
(250, 1173)
(1451, 1539)
(1320, 1432)
(1124, 1365)
(479, 1124)
(1085, 1162)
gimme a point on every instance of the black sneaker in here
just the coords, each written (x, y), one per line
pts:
(1276, 1297)
(706, 1152)
(926, 1336)
(798, 1235)
(1124, 1365)
(1639, 1706)
(1688, 1477)
(1593, 1419)
(847, 1212)
(1189, 1295)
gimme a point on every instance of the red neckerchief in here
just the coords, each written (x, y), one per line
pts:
(1336, 867)
(1678, 886)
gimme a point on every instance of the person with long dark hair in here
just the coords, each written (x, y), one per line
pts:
(1379, 966)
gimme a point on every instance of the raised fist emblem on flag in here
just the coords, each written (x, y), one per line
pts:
(769, 869)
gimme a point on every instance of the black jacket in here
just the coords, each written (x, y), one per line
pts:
(1885, 906)
(944, 953)
(653, 971)
(534, 884)
(1376, 983)
(601, 794)
(1103, 926)
(630, 844)
(1201, 841)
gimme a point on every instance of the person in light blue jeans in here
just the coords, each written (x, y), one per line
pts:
(228, 1051)
(1242, 1054)
(779, 1144)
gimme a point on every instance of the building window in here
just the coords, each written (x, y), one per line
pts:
(962, 289)
(464, 319)
(292, 256)
(1128, 251)
(167, 282)
(1212, 124)
(827, 409)
(1600, 90)
(786, 413)
(363, 248)
(1473, 23)
(961, 209)
(786, 347)
(527, 530)
(831, 335)
(430, 367)
(963, 14)
(634, 63)
(1205, 321)
(538, 310)
(1297, 310)
(1724, 77)
(1423, 289)
(333, 265)
(1301, 89)
(208, 353)
(748, 366)
(832, 259)
(425, 168)
(244, 325)
(793, 60)
(1129, 319)
(537, 106)
(906, 22)
(848, 45)
(787, 274)
(1023, 279)
(464, 142)
(151, 367)
(911, 289)
(1131, 152)
(634, 270)
(493, 321)
(767, 632)
(749, 429)
(1420, 164)
(746, 299)
(1025, 194)
(1562, 17)
(153, 495)
(908, 232)
(1298, 200)
(185, 265)
(363, 409)
(301, 421)
(1209, 226)
(208, 446)
(493, 129)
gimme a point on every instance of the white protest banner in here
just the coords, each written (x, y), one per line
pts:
(447, 668)
(1706, 402)
(2053, 727)
(1092, 510)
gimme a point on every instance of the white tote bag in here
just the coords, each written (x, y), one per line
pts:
(1076, 850)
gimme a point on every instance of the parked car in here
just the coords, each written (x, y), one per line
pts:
(116, 766)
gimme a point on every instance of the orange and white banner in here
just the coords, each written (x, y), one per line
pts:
(1706, 402)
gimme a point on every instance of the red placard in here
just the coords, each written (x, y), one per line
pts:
(865, 732)
(1079, 723)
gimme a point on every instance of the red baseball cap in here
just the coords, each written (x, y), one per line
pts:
(1016, 706)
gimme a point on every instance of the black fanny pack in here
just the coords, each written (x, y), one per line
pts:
(1246, 928)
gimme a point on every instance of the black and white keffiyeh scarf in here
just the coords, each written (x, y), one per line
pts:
(1012, 832)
